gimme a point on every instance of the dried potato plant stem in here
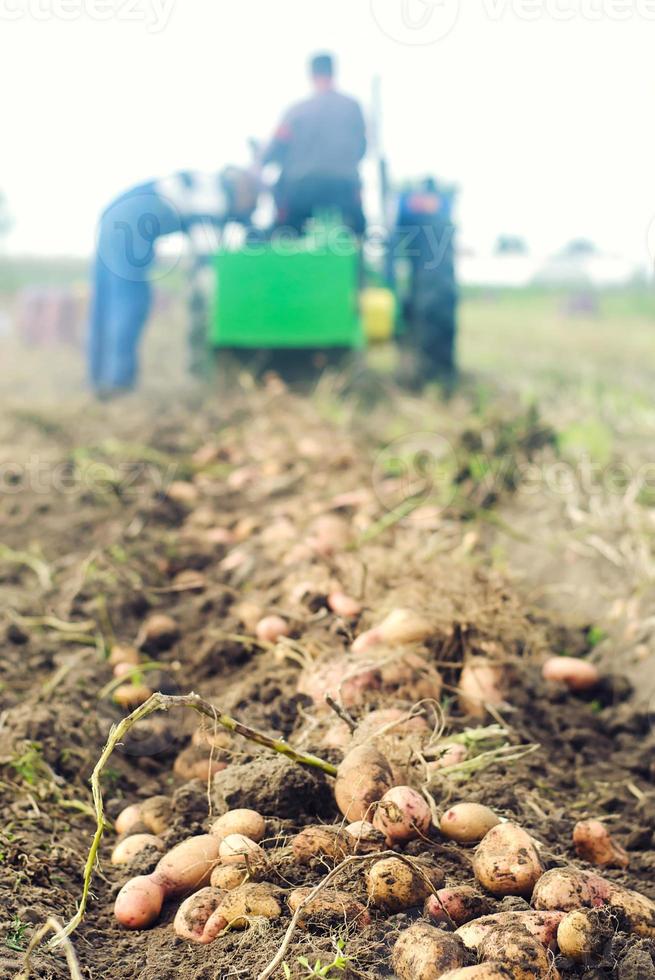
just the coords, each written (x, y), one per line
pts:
(51, 925)
(164, 702)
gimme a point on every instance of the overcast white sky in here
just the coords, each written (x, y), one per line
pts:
(544, 119)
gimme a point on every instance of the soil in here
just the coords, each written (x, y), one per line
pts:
(95, 535)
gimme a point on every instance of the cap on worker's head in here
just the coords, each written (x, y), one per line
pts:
(322, 66)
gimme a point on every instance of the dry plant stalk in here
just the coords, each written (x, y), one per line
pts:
(164, 702)
(52, 925)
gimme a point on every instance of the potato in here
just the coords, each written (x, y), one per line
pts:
(158, 632)
(395, 885)
(363, 778)
(425, 953)
(188, 866)
(131, 696)
(344, 680)
(157, 814)
(271, 628)
(411, 678)
(247, 822)
(484, 971)
(457, 905)
(402, 815)
(343, 605)
(569, 888)
(190, 580)
(506, 861)
(391, 721)
(130, 848)
(541, 925)
(468, 823)
(583, 933)
(124, 655)
(128, 819)
(250, 901)
(449, 755)
(526, 957)
(594, 843)
(239, 849)
(324, 842)
(401, 627)
(182, 492)
(328, 534)
(330, 908)
(139, 902)
(366, 839)
(578, 675)
(214, 738)
(197, 763)
(482, 682)
(638, 910)
(227, 877)
(196, 920)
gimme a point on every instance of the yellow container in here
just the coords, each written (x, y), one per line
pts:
(378, 306)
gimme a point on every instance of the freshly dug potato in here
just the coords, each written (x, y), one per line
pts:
(468, 823)
(333, 843)
(330, 907)
(542, 926)
(506, 861)
(228, 876)
(131, 696)
(129, 819)
(411, 678)
(395, 721)
(250, 901)
(182, 492)
(363, 778)
(394, 885)
(639, 911)
(569, 888)
(526, 957)
(188, 866)
(238, 849)
(449, 755)
(457, 905)
(249, 823)
(139, 902)
(127, 850)
(366, 839)
(578, 675)
(425, 953)
(328, 534)
(484, 971)
(343, 605)
(124, 655)
(342, 679)
(401, 627)
(594, 843)
(481, 682)
(271, 628)
(197, 763)
(210, 738)
(159, 632)
(402, 815)
(196, 920)
(157, 814)
(582, 934)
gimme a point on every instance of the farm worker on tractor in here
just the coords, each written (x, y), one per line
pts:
(128, 232)
(319, 146)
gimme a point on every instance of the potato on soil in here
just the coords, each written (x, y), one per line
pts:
(482, 682)
(458, 905)
(196, 763)
(402, 815)
(247, 822)
(423, 952)
(506, 861)
(189, 865)
(131, 696)
(228, 877)
(576, 674)
(395, 885)
(157, 814)
(515, 946)
(159, 632)
(209, 738)
(594, 843)
(239, 849)
(343, 605)
(248, 902)
(637, 909)
(124, 655)
(330, 907)
(390, 721)
(569, 888)
(582, 934)
(400, 627)
(139, 902)
(344, 680)
(127, 850)
(366, 839)
(484, 971)
(322, 842)
(271, 628)
(363, 778)
(468, 823)
(448, 755)
(195, 919)
(542, 926)
(129, 819)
